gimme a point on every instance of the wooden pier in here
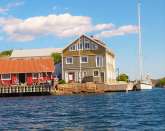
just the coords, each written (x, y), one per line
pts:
(21, 90)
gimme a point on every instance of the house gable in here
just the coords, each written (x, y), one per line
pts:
(87, 46)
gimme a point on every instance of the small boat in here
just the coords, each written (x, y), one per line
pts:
(141, 84)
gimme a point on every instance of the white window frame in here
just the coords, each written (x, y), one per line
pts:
(101, 60)
(5, 78)
(34, 78)
(67, 61)
(81, 59)
(94, 73)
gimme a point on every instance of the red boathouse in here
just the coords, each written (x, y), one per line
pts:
(26, 71)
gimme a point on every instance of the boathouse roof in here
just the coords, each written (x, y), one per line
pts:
(31, 65)
(42, 52)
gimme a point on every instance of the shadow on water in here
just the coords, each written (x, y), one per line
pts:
(141, 110)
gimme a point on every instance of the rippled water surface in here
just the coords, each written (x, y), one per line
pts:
(142, 110)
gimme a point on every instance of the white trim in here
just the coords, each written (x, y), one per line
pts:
(81, 59)
(7, 78)
(67, 62)
(98, 73)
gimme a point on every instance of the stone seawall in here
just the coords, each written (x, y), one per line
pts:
(77, 88)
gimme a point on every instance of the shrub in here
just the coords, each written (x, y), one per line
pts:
(62, 82)
(123, 77)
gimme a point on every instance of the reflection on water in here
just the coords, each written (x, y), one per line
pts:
(143, 110)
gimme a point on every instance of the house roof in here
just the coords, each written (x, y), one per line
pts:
(99, 42)
(26, 65)
(35, 52)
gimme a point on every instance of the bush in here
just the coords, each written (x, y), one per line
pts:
(123, 77)
(62, 82)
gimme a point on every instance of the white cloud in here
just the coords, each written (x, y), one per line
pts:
(104, 26)
(4, 10)
(123, 30)
(62, 25)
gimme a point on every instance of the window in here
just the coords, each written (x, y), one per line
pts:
(99, 61)
(69, 60)
(35, 75)
(41, 75)
(84, 59)
(87, 46)
(6, 77)
(96, 73)
(72, 48)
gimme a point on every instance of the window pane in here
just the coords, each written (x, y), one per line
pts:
(84, 59)
(96, 73)
(69, 60)
(5, 76)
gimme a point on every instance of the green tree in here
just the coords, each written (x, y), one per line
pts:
(56, 57)
(161, 82)
(123, 77)
(5, 53)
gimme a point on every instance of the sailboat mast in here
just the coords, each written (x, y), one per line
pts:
(140, 43)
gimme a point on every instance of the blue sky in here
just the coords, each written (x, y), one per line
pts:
(55, 23)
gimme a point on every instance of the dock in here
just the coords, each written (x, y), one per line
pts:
(24, 90)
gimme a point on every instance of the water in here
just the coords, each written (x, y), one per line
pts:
(142, 110)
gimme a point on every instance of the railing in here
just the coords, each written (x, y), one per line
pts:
(25, 90)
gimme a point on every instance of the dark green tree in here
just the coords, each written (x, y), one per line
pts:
(56, 57)
(161, 82)
(5, 53)
(123, 77)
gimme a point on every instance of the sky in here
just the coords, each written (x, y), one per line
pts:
(55, 23)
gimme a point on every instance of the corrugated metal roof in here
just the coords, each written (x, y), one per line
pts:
(26, 65)
(35, 52)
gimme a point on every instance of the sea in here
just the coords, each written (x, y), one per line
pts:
(121, 111)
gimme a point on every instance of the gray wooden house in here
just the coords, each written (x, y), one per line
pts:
(88, 59)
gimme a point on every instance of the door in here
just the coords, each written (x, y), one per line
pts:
(102, 77)
(71, 76)
(22, 78)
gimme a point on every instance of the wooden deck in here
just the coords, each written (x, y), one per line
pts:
(21, 90)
